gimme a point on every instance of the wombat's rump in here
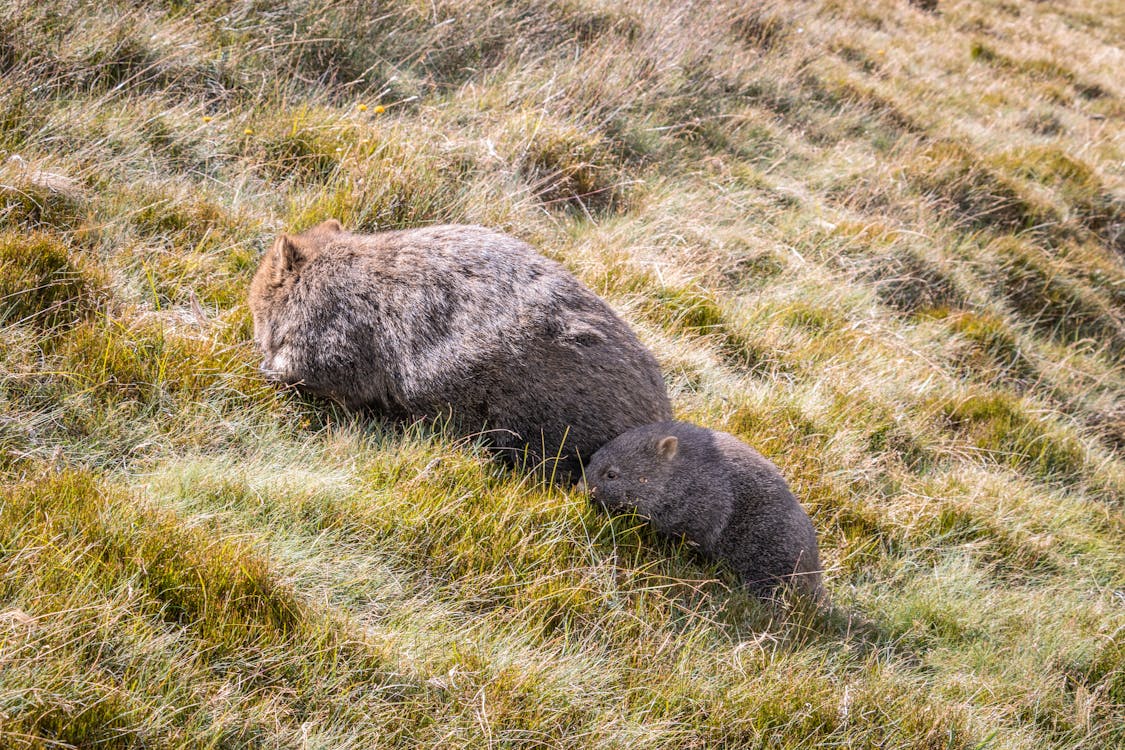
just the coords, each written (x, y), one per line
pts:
(716, 491)
(460, 319)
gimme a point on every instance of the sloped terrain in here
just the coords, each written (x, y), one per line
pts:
(883, 242)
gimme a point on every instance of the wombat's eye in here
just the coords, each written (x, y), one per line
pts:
(610, 474)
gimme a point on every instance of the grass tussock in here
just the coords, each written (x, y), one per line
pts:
(882, 244)
(42, 284)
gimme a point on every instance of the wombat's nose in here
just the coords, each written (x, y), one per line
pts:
(582, 487)
(268, 372)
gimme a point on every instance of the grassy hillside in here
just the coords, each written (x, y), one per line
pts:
(882, 242)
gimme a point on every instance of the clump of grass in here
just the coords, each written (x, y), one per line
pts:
(35, 198)
(389, 181)
(995, 350)
(694, 311)
(566, 167)
(759, 26)
(1036, 69)
(1081, 190)
(994, 547)
(897, 439)
(812, 318)
(184, 222)
(183, 246)
(910, 283)
(961, 184)
(42, 283)
(1043, 122)
(207, 608)
(306, 149)
(21, 115)
(1048, 298)
(142, 361)
(1001, 426)
(591, 24)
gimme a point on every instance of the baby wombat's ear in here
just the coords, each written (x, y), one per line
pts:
(331, 225)
(288, 258)
(667, 447)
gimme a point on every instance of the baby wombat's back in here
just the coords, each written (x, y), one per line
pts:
(415, 322)
(719, 493)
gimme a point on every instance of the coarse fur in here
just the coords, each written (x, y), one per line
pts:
(456, 320)
(719, 494)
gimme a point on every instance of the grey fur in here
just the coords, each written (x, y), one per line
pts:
(718, 493)
(417, 322)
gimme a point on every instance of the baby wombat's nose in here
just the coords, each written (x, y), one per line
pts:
(582, 486)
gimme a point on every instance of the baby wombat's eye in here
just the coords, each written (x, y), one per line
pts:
(610, 474)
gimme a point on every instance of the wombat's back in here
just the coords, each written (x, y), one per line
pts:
(418, 322)
(769, 536)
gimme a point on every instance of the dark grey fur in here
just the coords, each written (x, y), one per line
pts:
(718, 493)
(414, 323)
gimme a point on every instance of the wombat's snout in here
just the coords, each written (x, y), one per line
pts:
(274, 375)
(275, 367)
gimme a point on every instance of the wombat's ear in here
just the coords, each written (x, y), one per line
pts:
(288, 258)
(331, 225)
(667, 447)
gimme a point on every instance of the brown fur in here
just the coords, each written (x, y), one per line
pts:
(419, 322)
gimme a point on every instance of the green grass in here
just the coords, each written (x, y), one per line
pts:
(881, 244)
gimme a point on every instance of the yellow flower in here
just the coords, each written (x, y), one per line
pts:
(206, 118)
(362, 108)
(379, 109)
(248, 131)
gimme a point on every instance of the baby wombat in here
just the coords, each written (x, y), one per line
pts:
(718, 493)
(455, 319)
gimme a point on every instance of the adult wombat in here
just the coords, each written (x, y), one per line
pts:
(718, 493)
(460, 319)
